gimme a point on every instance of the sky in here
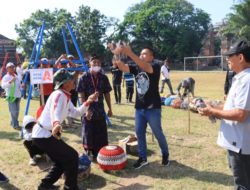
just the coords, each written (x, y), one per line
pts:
(15, 11)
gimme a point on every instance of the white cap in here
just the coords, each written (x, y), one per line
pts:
(70, 56)
(44, 61)
(10, 64)
(28, 119)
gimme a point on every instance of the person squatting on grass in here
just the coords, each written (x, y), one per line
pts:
(188, 87)
(12, 86)
(148, 101)
(33, 150)
(234, 134)
(46, 133)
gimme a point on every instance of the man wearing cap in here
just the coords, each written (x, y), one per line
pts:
(62, 62)
(46, 134)
(188, 87)
(67, 62)
(12, 85)
(234, 134)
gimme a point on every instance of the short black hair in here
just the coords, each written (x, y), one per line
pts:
(93, 57)
(150, 49)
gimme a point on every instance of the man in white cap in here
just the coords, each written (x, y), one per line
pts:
(46, 134)
(12, 85)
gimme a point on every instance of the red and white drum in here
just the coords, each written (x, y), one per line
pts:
(112, 157)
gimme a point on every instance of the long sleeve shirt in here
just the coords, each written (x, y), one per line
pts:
(57, 108)
(7, 85)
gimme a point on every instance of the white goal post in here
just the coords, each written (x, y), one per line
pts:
(204, 63)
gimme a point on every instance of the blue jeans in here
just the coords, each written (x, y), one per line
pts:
(14, 108)
(240, 166)
(153, 117)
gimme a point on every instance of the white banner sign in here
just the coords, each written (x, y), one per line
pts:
(41, 76)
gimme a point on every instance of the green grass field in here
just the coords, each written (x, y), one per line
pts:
(197, 163)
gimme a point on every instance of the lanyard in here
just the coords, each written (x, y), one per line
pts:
(94, 82)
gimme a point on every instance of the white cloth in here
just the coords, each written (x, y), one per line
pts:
(7, 85)
(233, 135)
(57, 108)
(164, 72)
(19, 72)
(26, 135)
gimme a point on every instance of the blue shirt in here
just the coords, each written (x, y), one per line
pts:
(129, 79)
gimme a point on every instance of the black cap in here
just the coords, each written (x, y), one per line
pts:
(241, 46)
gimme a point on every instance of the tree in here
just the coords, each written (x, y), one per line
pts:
(91, 27)
(173, 27)
(238, 23)
(52, 40)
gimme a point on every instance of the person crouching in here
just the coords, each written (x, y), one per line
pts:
(46, 133)
(33, 150)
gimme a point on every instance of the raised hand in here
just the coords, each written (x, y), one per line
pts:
(93, 97)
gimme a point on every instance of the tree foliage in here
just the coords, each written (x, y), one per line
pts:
(173, 27)
(89, 27)
(52, 39)
(238, 23)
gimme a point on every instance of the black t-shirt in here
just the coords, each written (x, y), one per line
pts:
(147, 87)
(116, 75)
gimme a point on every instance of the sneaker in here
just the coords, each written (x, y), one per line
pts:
(32, 161)
(48, 187)
(3, 178)
(165, 161)
(140, 163)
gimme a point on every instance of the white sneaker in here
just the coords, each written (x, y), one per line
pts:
(32, 162)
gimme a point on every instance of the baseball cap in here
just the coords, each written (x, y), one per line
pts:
(241, 46)
(70, 56)
(27, 120)
(44, 61)
(64, 61)
(10, 64)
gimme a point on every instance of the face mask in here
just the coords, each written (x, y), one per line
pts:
(95, 69)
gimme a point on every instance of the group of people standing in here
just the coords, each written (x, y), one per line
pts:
(94, 87)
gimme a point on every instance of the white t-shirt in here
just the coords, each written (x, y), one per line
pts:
(57, 108)
(233, 135)
(164, 72)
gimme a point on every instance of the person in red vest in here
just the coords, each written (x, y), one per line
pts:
(45, 89)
